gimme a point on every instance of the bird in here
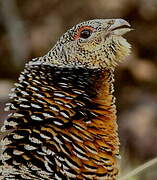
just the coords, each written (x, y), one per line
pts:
(62, 123)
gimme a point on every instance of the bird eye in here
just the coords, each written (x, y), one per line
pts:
(85, 33)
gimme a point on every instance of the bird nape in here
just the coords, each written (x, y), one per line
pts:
(62, 121)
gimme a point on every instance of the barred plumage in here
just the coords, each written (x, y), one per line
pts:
(63, 118)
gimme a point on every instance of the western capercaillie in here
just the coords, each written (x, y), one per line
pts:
(62, 121)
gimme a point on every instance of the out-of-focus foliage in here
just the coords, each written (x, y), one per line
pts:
(30, 28)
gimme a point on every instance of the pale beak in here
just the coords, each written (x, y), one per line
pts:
(120, 27)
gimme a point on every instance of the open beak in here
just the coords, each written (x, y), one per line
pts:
(120, 27)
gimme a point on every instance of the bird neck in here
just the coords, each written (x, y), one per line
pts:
(69, 113)
(91, 118)
(92, 123)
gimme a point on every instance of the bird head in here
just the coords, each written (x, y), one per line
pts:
(91, 44)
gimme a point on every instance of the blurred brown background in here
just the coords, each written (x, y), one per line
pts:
(30, 28)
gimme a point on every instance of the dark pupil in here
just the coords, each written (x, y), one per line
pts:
(85, 33)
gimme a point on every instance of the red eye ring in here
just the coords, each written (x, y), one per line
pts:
(84, 32)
